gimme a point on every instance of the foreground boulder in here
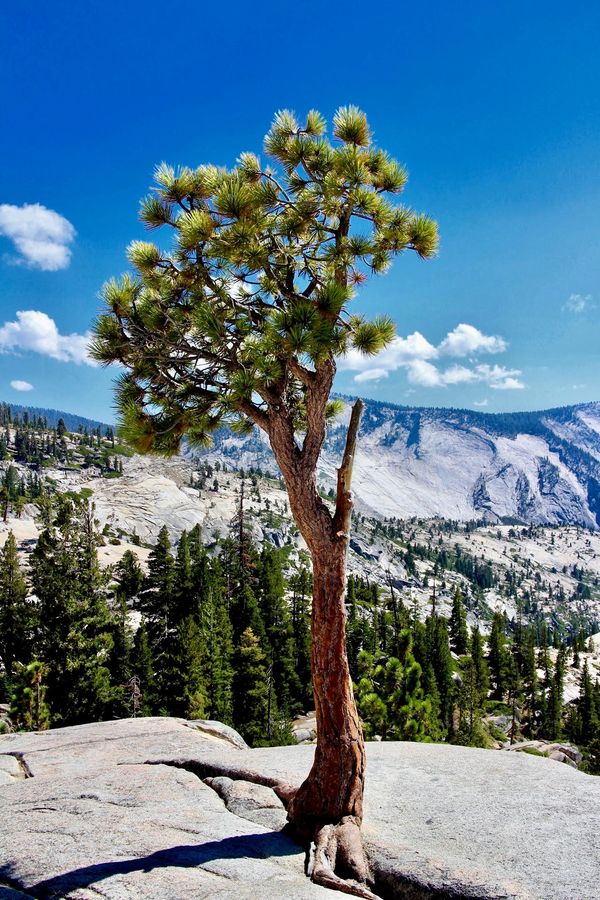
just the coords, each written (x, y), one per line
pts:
(122, 810)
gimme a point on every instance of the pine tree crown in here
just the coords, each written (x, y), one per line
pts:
(252, 297)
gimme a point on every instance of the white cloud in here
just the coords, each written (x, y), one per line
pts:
(371, 375)
(36, 332)
(424, 374)
(40, 235)
(398, 353)
(483, 402)
(499, 377)
(19, 385)
(508, 384)
(415, 354)
(578, 303)
(466, 340)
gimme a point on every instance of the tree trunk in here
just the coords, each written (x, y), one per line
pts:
(327, 808)
(333, 789)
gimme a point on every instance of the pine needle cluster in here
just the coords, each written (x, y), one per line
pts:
(250, 299)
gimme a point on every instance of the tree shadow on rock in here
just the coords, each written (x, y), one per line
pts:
(248, 846)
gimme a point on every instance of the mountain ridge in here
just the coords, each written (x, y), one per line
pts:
(532, 467)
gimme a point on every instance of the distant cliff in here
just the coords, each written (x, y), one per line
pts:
(531, 467)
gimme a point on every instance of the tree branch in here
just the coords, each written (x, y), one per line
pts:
(317, 395)
(343, 506)
(306, 376)
(255, 414)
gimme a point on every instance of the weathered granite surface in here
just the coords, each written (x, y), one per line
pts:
(96, 819)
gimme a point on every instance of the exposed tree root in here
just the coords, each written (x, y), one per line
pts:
(340, 846)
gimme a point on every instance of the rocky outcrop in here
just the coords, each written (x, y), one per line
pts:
(151, 808)
(538, 467)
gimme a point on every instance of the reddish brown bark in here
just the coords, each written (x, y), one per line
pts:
(333, 790)
(334, 786)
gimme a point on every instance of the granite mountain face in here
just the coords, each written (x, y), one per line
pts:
(532, 467)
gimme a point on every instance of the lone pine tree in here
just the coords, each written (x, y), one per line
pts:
(241, 321)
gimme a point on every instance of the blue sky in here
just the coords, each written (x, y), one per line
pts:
(492, 107)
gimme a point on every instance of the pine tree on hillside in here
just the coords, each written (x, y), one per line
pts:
(185, 667)
(218, 635)
(74, 620)
(17, 612)
(470, 706)
(498, 657)
(143, 668)
(480, 666)
(457, 625)
(184, 597)
(156, 603)
(391, 699)
(119, 661)
(300, 613)
(250, 690)
(129, 575)
(278, 627)
(28, 710)
(437, 654)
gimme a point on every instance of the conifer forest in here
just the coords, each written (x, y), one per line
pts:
(223, 631)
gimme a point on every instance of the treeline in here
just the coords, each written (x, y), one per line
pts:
(222, 636)
(225, 635)
(435, 680)
(32, 442)
(11, 412)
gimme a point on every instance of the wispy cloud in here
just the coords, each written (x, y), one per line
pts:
(420, 359)
(18, 385)
(36, 332)
(578, 303)
(40, 236)
(483, 402)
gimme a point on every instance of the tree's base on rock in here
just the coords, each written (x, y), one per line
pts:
(124, 809)
(340, 847)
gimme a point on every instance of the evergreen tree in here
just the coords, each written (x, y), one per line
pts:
(457, 625)
(185, 672)
(480, 667)
(218, 634)
(278, 627)
(498, 657)
(156, 602)
(530, 680)
(298, 239)
(143, 668)
(28, 709)
(129, 575)
(391, 699)
(119, 662)
(439, 657)
(250, 691)
(185, 601)
(74, 619)
(586, 705)
(470, 731)
(17, 613)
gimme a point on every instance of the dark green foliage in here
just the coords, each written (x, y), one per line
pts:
(129, 575)
(391, 699)
(28, 710)
(17, 613)
(143, 668)
(74, 640)
(498, 657)
(459, 635)
(250, 689)
(267, 229)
